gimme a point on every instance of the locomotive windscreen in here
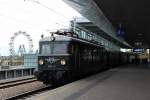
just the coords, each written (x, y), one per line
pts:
(53, 48)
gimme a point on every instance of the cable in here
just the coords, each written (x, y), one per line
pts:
(58, 13)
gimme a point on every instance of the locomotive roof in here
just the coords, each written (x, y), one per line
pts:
(67, 38)
(57, 38)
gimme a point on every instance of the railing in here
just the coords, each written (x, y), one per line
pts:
(87, 35)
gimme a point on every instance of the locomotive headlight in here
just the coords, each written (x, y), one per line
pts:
(63, 62)
(41, 62)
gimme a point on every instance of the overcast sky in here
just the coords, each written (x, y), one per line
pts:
(32, 16)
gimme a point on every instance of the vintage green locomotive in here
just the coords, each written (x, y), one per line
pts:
(64, 57)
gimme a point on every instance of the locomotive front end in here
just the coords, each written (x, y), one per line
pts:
(53, 61)
(52, 69)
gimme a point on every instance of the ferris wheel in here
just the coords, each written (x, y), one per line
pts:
(11, 44)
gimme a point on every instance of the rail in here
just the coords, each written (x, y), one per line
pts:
(15, 83)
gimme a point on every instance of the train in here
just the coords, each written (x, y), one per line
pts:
(63, 58)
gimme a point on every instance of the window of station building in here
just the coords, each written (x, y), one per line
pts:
(89, 37)
(78, 31)
(84, 35)
(95, 38)
(80, 34)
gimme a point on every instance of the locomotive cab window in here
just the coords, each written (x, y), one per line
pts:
(54, 48)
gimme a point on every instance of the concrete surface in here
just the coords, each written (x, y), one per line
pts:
(126, 83)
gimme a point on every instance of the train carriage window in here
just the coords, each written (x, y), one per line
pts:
(90, 54)
(95, 55)
(84, 54)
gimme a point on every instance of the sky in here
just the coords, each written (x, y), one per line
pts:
(34, 17)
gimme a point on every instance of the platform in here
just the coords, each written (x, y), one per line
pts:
(10, 74)
(130, 82)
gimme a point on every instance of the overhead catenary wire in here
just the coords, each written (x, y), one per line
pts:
(52, 10)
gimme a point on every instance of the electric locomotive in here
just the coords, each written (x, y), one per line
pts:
(65, 57)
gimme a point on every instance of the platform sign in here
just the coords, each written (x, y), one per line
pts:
(138, 50)
(120, 32)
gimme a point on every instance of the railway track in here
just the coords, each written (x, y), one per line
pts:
(17, 82)
(11, 90)
(25, 95)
